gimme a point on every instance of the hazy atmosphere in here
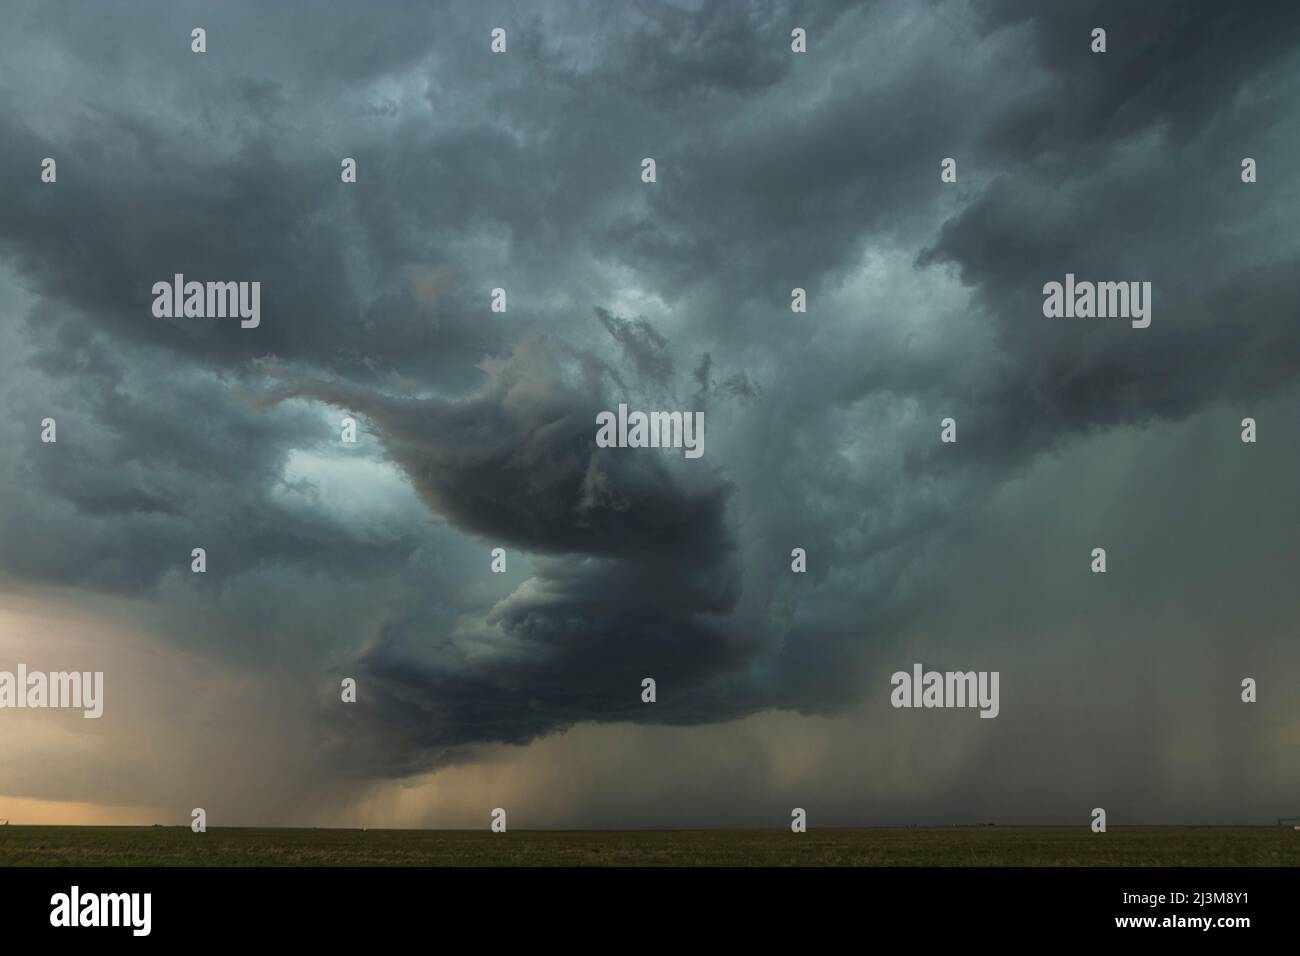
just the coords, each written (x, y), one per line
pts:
(476, 428)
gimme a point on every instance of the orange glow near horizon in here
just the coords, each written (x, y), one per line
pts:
(25, 811)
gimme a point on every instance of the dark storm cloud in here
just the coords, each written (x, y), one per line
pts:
(134, 484)
(666, 58)
(159, 210)
(644, 577)
(575, 658)
(518, 462)
(522, 172)
(1116, 163)
(1179, 64)
(242, 187)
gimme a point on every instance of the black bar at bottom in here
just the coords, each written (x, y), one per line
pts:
(330, 906)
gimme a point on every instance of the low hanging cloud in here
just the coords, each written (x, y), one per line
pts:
(637, 576)
(777, 171)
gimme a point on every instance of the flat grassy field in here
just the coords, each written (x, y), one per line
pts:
(949, 846)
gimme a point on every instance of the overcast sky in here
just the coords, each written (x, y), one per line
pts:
(775, 170)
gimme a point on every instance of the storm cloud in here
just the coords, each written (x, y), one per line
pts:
(476, 428)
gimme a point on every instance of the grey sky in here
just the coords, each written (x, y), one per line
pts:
(822, 429)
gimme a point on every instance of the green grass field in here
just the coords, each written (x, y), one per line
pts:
(954, 846)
